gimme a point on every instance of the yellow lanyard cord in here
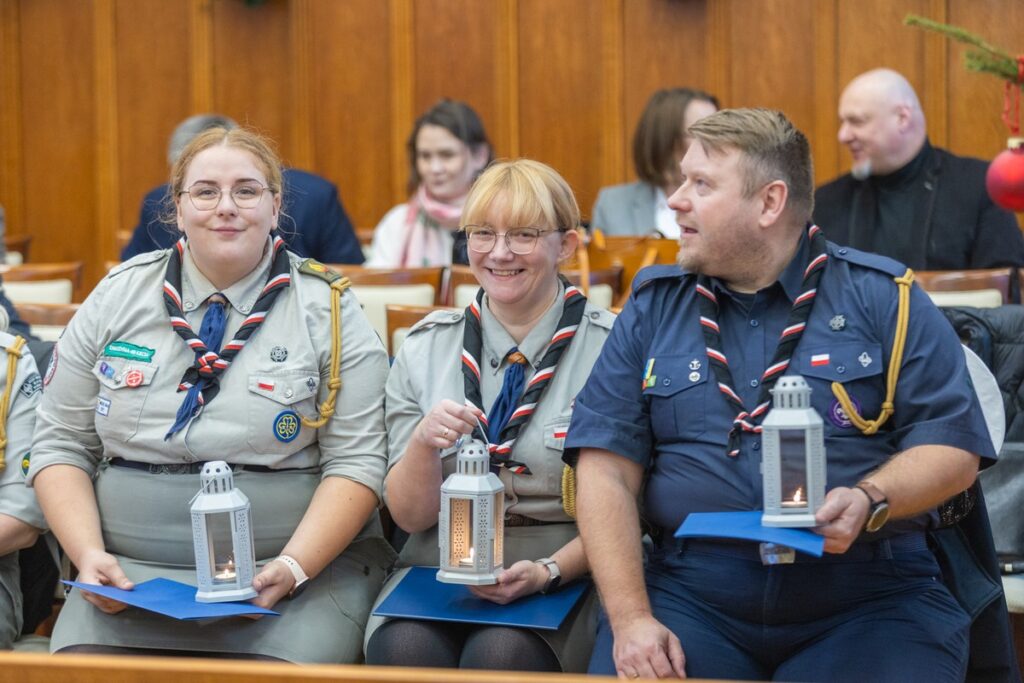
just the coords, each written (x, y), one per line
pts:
(899, 341)
(13, 354)
(334, 382)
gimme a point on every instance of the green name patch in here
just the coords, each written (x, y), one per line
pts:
(122, 349)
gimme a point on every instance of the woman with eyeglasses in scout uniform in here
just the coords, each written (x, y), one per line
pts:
(224, 347)
(534, 339)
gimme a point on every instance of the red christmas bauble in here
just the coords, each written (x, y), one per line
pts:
(1005, 177)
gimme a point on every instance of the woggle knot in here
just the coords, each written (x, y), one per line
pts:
(888, 406)
(334, 383)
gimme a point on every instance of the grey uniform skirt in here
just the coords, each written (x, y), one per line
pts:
(572, 642)
(147, 526)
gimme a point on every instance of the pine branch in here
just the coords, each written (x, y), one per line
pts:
(984, 63)
(958, 34)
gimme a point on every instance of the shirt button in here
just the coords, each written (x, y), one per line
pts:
(189, 305)
(245, 308)
(754, 323)
(494, 362)
(455, 317)
(757, 445)
(594, 315)
(844, 251)
(840, 369)
(667, 381)
(754, 383)
(288, 393)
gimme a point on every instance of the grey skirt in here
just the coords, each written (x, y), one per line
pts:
(146, 525)
(571, 643)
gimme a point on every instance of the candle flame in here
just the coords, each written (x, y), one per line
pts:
(798, 497)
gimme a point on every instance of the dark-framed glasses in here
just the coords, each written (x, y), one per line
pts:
(522, 241)
(206, 197)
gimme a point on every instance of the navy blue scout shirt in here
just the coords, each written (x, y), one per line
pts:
(653, 398)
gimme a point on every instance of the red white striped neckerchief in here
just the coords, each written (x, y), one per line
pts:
(708, 305)
(573, 305)
(209, 365)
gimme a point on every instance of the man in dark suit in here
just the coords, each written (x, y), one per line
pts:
(904, 198)
(313, 221)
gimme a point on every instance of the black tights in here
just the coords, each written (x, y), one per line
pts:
(406, 642)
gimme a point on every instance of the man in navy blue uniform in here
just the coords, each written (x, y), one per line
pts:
(313, 222)
(668, 424)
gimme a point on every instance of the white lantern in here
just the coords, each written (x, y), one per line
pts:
(793, 448)
(222, 536)
(471, 524)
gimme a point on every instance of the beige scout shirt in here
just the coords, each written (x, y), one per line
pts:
(90, 410)
(16, 499)
(429, 368)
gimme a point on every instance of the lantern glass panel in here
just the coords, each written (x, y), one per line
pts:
(498, 505)
(218, 534)
(793, 462)
(460, 525)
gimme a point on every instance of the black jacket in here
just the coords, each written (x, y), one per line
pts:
(956, 226)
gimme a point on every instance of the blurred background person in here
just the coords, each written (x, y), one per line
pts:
(659, 143)
(448, 148)
(313, 221)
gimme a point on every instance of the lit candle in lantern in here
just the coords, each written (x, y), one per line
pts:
(468, 561)
(797, 501)
(226, 571)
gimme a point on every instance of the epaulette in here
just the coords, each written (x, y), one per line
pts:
(139, 260)
(439, 317)
(7, 339)
(889, 266)
(661, 272)
(601, 317)
(316, 269)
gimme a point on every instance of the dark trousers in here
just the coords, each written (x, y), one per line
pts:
(877, 613)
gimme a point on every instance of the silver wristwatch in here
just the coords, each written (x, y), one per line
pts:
(554, 578)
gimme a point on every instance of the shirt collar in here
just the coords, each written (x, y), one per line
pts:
(242, 295)
(497, 341)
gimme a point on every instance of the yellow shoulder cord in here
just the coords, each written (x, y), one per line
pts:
(869, 427)
(13, 354)
(569, 491)
(334, 382)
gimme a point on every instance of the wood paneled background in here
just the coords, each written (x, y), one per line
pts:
(91, 89)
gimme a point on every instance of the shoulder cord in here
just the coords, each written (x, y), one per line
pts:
(869, 427)
(13, 354)
(334, 382)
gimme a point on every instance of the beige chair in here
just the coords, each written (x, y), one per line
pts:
(978, 298)
(967, 281)
(55, 283)
(401, 318)
(16, 247)
(46, 320)
(375, 288)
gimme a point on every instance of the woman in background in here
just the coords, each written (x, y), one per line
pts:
(659, 143)
(447, 150)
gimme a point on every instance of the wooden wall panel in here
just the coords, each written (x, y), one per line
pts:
(560, 108)
(58, 128)
(153, 96)
(11, 177)
(350, 88)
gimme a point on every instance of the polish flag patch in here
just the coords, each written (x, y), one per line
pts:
(820, 359)
(265, 386)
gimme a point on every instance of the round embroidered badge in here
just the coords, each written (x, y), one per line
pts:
(838, 416)
(134, 378)
(286, 425)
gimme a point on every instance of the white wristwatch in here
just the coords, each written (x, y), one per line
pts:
(296, 569)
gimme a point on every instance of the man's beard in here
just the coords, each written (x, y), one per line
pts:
(861, 171)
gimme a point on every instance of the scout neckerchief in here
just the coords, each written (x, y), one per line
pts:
(202, 380)
(798, 315)
(472, 346)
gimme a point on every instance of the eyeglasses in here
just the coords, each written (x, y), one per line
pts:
(521, 241)
(207, 197)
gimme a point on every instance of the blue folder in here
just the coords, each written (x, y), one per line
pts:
(172, 599)
(419, 595)
(747, 526)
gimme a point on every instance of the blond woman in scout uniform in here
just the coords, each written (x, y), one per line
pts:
(20, 517)
(224, 347)
(532, 338)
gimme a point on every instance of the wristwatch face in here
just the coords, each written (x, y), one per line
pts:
(298, 588)
(878, 517)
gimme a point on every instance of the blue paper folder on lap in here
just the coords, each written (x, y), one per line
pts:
(747, 526)
(172, 599)
(419, 595)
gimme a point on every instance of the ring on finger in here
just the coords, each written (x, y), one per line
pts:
(444, 434)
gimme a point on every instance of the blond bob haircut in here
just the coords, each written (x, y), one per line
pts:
(772, 147)
(239, 138)
(533, 195)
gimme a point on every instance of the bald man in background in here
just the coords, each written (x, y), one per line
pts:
(904, 198)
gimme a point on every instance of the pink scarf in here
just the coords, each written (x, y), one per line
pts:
(428, 223)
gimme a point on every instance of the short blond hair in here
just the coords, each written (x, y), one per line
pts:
(532, 192)
(772, 148)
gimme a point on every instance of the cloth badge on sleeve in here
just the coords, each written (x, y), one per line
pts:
(279, 354)
(51, 367)
(820, 359)
(838, 416)
(102, 406)
(32, 386)
(123, 349)
(286, 425)
(134, 378)
(25, 463)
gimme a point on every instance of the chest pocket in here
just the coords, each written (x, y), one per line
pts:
(858, 366)
(676, 393)
(124, 388)
(277, 402)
